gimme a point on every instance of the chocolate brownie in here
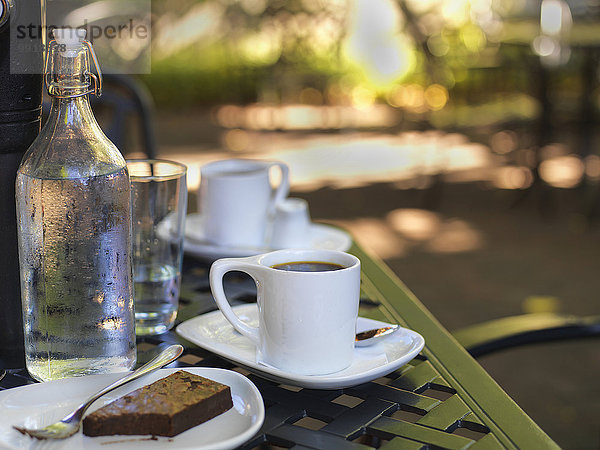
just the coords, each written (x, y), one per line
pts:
(164, 408)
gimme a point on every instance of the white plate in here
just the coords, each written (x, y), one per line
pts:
(38, 405)
(213, 332)
(321, 237)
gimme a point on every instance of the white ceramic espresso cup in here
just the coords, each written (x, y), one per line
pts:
(236, 200)
(307, 320)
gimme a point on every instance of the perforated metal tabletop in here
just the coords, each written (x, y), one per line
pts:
(442, 399)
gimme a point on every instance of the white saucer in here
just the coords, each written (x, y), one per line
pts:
(321, 237)
(40, 404)
(214, 333)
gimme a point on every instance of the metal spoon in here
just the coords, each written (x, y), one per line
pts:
(71, 423)
(370, 337)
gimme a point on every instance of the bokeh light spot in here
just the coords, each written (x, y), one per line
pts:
(236, 140)
(414, 224)
(562, 171)
(511, 177)
(436, 97)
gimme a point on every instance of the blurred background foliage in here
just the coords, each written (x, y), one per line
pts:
(423, 56)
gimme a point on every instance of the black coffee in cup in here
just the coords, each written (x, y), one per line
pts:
(308, 266)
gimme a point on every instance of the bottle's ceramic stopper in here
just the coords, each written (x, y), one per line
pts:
(71, 38)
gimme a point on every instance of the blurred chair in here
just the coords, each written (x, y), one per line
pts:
(124, 98)
(499, 334)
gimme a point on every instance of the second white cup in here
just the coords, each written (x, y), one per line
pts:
(236, 200)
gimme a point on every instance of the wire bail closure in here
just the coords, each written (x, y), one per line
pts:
(96, 88)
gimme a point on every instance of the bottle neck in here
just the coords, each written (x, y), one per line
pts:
(69, 85)
(72, 112)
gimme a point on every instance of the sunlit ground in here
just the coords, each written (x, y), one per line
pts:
(409, 160)
(354, 158)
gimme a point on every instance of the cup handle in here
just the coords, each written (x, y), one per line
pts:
(217, 271)
(283, 189)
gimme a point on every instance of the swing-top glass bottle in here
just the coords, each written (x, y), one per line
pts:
(74, 214)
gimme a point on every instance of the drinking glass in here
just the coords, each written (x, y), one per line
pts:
(159, 204)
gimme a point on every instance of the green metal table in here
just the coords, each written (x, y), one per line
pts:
(441, 399)
(476, 402)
